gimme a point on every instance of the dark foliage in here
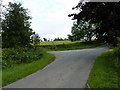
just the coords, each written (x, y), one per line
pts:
(16, 29)
(45, 39)
(58, 39)
(105, 13)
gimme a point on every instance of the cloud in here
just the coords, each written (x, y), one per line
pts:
(50, 17)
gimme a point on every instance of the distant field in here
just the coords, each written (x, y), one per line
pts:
(57, 42)
(68, 45)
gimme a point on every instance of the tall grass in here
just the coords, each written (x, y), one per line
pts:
(106, 73)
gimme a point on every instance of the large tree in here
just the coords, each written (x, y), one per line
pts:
(16, 29)
(82, 30)
(107, 14)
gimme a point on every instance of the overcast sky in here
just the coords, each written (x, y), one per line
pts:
(50, 17)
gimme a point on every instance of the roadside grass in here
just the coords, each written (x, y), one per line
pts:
(20, 71)
(0, 67)
(58, 42)
(80, 45)
(0, 77)
(112, 47)
(104, 73)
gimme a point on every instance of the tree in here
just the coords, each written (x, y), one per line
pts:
(106, 14)
(45, 39)
(70, 37)
(16, 29)
(82, 30)
(35, 39)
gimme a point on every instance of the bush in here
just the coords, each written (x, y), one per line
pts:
(114, 57)
(20, 55)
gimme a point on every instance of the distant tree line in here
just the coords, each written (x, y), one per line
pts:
(106, 14)
(56, 39)
(60, 39)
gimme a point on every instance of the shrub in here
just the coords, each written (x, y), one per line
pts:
(114, 57)
(20, 55)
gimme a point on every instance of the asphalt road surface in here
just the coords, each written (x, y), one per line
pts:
(70, 69)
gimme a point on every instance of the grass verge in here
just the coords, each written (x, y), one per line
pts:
(0, 78)
(104, 73)
(20, 71)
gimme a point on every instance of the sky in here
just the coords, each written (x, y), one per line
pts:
(50, 17)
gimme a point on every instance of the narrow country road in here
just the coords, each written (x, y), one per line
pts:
(70, 69)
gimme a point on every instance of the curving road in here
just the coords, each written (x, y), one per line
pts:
(70, 69)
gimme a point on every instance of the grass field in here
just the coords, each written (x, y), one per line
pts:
(68, 45)
(20, 71)
(75, 45)
(104, 73)
(58, 42)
